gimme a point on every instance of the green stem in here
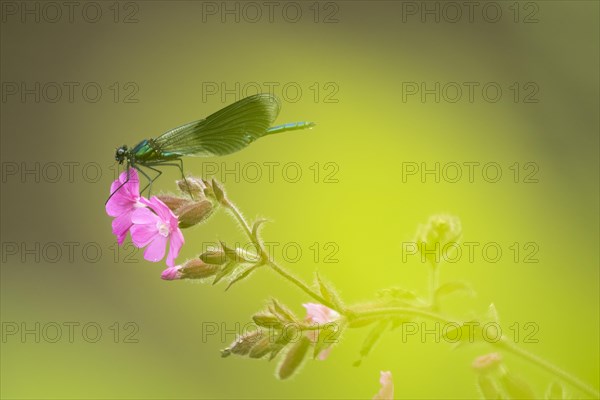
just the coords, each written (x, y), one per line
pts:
(274, 266)
(303, 286)
(434, 277)
(505, 344)
(240, 218)
(433, 285)
(388, 311)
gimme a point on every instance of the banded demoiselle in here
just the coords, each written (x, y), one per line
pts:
(228, 130)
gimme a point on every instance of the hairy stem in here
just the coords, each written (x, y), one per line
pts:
(503, 344)
(282, 272)
(274, 266)
(434, 277)
(391, 311)
(506, 345)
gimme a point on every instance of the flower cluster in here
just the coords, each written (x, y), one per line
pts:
(155, 222)
(280, 331)
(438, 233)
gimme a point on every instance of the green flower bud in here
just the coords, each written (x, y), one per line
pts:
(217, 257)
(174, 202)
(194, 213)
(267, 320)
(193, 186)
(433, 238)
(293, 358)
(243, 344)
(197, 269)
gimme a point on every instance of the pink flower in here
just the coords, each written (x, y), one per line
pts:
(387, 387)
(171, 273)
(321, 315)
(123, 203)
(155, 229)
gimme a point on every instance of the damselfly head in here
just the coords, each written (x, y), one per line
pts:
(121, 154)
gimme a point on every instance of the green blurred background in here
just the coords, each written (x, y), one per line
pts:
(360, 55)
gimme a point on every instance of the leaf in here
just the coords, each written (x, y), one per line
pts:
(328, 334)
(282, 312)
(454, 287)
(556, 392)
(372, 338)
(230, 253)
(257, 225)
(225, 271)
(516, 387)
(242, 275)
(328, 292)
(293, 358)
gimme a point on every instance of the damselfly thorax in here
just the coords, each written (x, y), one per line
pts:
(228, 130)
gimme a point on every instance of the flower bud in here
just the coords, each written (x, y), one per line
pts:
(194, 213)
(219, 192)
(197, 269)
(263, 347)
(267, 320)
(171, 273)
(293, 358)
(173, 202)
(193, 186)
(433, 237)
(243, 344)
(217, 257)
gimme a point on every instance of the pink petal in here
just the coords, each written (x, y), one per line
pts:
(387, 387)
(123, 196)
(156, 249)
(143, 216)
(121, 225)
(176, 244)
(324, 353)
(320, 314)
(161, 209)
(117, 205)
(171, 273)
(141, 235)
(133, 186)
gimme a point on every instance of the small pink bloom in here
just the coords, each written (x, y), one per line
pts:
(321, 315)
(123, 203)
(155, 229)
(487, 362)
(171, 273)
(387, 387)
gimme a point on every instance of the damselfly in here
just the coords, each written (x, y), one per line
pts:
(224, 132)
